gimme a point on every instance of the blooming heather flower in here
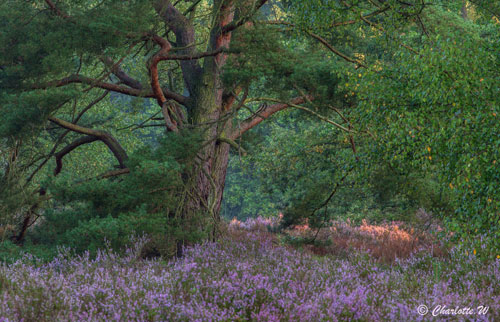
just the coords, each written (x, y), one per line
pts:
(246, 279)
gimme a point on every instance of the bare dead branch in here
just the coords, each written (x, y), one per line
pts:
(59, 140)
(105, 137)
(79, 79)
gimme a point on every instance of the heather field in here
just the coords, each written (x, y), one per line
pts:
(251, 275)
(249, 160)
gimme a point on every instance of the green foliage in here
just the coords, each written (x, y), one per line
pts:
(418, 189)
(407, 103)
(89, 214)
(295, 167)
(36, 47)
(14, 199)
(421, 101)
(24, 113)
(437, 112)
(116, 232)
(10, 252)
(277, 63)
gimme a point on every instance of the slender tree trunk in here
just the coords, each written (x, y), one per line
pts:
(463, 10)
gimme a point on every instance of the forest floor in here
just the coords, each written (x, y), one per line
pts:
(385, 272)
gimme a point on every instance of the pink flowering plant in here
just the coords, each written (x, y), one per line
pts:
(247, 275)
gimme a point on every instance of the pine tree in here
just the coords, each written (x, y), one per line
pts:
(54, 54)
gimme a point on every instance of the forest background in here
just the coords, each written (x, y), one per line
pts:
(124, 118)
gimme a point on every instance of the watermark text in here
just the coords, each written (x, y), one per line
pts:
(457, 310)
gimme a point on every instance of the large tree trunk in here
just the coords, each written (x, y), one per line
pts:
(207, 179)
(208, 105)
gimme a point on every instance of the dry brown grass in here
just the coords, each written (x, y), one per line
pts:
(384, 242)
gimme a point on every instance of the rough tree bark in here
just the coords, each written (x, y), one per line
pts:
(207, 105)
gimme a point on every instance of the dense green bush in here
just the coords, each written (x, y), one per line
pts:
(98, 213)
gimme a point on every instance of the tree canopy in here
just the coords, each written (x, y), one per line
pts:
(122, 117)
